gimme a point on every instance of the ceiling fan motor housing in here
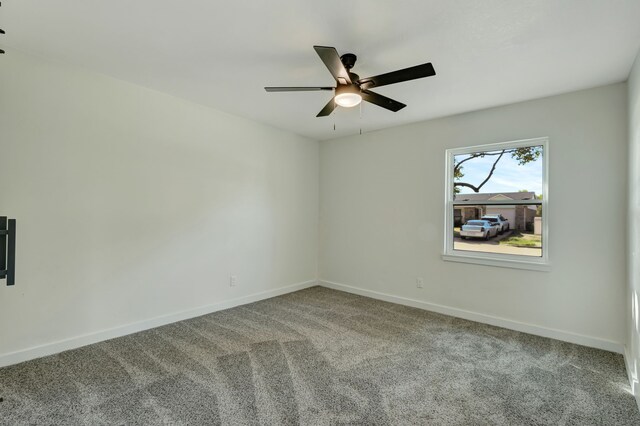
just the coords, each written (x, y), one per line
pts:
(347, 88)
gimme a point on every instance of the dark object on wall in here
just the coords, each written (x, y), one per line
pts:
(1, 32)
(8, 249)
(351, 89)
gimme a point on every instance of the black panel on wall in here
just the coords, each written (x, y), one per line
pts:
(8, 250)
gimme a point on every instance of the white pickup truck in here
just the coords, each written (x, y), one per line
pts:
(499, 220)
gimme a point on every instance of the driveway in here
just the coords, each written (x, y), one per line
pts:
(492, 246)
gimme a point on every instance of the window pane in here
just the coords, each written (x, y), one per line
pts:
(504, 229)
(489, 175)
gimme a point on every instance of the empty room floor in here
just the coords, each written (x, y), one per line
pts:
(321, 356)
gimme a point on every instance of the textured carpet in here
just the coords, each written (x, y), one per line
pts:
(320, 356)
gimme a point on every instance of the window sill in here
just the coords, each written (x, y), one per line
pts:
(498, 262)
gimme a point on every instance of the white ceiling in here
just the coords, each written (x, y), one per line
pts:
(222, 54)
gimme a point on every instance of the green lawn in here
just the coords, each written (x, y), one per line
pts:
(519, 239)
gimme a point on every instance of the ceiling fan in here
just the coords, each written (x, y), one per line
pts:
(351, 89)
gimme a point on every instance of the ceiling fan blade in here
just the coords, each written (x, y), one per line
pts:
(328, 108)
(296, 89)
(382, 101)
(331, 59)
(412, 73)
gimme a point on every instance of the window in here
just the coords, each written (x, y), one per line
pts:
(495, 204)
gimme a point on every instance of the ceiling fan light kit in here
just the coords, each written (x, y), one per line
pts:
(348, 95)
(351, 89)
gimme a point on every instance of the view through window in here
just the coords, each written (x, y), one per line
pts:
(496, 200)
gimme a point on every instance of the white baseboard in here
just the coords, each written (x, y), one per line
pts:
(633, 381)
(99, 336)
(566, 336)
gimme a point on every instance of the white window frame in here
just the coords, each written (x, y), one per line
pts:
(497, 259)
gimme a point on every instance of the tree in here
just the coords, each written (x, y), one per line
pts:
(523, 155)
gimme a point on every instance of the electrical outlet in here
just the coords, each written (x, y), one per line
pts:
(233, 280)
(419, 282)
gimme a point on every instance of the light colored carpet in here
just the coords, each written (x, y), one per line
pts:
(320, 356)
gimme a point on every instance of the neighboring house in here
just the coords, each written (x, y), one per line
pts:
(520, 217)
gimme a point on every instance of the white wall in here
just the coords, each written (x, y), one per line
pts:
(382, 217)
(633, 253)
(132, 204)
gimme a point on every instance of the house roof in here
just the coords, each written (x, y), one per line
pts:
(520, 196)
